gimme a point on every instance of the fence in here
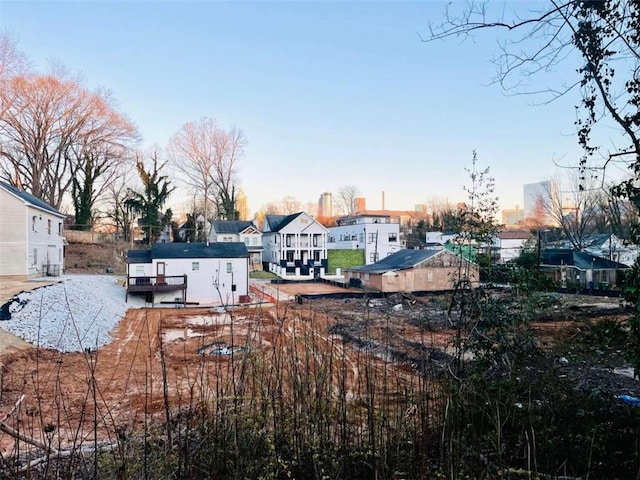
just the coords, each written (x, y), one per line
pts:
(78, 236)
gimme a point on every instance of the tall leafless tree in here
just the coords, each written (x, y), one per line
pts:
(206, 156)
(572, 203)
(51, 125)
(345, 199)
(12, 63)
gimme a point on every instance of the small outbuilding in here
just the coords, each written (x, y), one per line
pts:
(414, 271)
(200, 273)
(581, 269)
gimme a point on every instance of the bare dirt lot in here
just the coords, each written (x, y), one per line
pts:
(162, 359)
(189, 350)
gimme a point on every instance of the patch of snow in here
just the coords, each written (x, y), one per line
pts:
(72, 315)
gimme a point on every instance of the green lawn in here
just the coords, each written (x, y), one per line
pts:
(261, 275)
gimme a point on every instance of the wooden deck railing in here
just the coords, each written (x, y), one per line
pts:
(156, 284)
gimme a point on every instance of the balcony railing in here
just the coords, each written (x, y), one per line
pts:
(156, 284)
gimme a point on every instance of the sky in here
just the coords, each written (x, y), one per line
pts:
(327, 93)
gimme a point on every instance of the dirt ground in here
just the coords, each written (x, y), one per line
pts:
(128, 374)
(123, 384)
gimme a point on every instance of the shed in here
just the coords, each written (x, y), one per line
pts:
(414, 271)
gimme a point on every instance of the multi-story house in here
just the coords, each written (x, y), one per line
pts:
(294, 245)
(240, 231)
(377, 235)
(31, 241)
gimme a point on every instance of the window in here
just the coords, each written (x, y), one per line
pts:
(361, 237)
(255, 240)
(227, 239)
(195, 266)
(316, 256)
(371, 237)
(229, 267)
(35, 256)
(393, 237)
(246, 240)
(33, 223)
(288, 240)
(139, 270)
(59, 228)
(373, 257)
(59, 255)
(49, 227)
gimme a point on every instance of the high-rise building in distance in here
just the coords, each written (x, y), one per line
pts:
(325, 205)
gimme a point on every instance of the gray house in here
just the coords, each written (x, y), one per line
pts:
(240, 231)
(582, 269)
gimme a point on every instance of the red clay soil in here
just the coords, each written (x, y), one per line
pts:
(128, 375)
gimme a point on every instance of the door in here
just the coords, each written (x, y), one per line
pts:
(160, 273)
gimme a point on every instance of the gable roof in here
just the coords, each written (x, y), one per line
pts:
(230, 226)
(30, 199)
(278, 222)
(189, 250)
(401, 260)
(580, 260)
(596, 239)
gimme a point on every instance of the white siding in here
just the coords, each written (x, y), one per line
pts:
(211, 284)
(30, 239)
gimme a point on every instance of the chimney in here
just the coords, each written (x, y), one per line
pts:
(383, 200)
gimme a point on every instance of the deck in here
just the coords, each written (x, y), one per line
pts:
(152, 285)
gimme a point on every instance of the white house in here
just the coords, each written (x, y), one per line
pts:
(31, 241)
(377, 235)
(511, 243)
(609, 246)
(294, 245)
(214, 274)
(437, 240)
(240, 231)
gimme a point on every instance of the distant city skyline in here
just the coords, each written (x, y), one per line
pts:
(327, 93)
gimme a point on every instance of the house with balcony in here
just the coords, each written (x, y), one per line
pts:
(31, 241)
(240, 231)
(294, 245)
(194, 273)
(377, 235)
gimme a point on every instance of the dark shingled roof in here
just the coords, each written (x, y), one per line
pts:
(581, 260)
(278, 222)
(401, 260)
(27, 197)
(139, 256)
(231, 226)
(190, 250)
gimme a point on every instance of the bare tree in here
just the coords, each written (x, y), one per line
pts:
(289, 205)
(49, 121)
(115, 202)
(602, 36)
(12, 63)
(572, 205)
(106, 144)
(206, 156)
(345, 199)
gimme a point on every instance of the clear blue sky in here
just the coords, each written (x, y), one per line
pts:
(327, 93)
